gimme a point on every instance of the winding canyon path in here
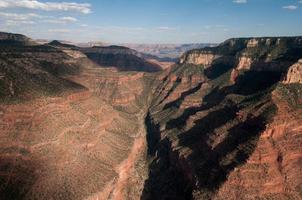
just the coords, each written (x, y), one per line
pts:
(127, 167)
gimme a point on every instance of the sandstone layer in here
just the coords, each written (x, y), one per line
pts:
(223, 123)
(235, 132)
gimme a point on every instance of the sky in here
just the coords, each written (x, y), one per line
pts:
(151, 21)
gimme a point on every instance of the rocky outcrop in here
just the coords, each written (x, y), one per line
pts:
(252, 43)
(257, 54)
(294, 74)
(200, 58)
(245, 63)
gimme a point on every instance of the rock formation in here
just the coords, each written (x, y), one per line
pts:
(294, 74)
(122, 58)
(223, 123)
(69, 128)
(13, 37)
(234, 133)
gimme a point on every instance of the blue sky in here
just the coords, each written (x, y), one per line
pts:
(151, 21)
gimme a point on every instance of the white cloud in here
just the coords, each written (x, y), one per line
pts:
(62, 20)
(290, 7)
(69, 19)
(239, 1)
(84, 8)
(216, 26)
(16, 16)
(14, 19)
(32, 18)
(59, 30)
(19, 22)
(165, 28)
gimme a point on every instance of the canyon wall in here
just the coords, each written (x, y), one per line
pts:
(69, 128)
(223, 123)
(294, 74)
(233, 133)
(124, 59)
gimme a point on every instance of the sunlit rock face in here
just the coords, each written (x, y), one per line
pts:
(223, 123)
(201, 58)
(294, 74)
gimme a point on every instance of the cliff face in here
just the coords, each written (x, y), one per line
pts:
(233, 133)
(202, 58)
(252, 53)
(122, 58)
(294, 74)
(273, 169)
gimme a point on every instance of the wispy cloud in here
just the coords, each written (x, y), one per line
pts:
(290, 7)
(84, 8)
(69, 19)
(216, 26)
(165, 28)
(14, 19)
(19, 22)
(61, 20)
(16, 16)
(32, 18)
(240, 1)
(59, 30)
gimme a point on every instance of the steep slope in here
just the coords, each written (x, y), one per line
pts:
(27, 71)
(74, 146)
(6, 38)
(122, 58)
(82, 140)
(222, 124)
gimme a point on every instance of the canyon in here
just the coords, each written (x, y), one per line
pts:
(224, 122)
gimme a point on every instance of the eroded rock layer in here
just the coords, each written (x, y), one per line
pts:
(224, 123)
(69, 129)
(232, 133)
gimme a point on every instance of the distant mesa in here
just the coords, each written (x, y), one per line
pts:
(14, 39)
(61, 44)
(123, 58)
(13, 36)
